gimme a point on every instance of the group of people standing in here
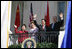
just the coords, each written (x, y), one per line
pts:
(35, 27)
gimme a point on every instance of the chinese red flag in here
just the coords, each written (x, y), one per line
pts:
(47, 16)
(17, 18)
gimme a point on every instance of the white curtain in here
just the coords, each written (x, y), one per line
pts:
(5, 22)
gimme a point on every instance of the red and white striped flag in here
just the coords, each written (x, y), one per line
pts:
(31, 15)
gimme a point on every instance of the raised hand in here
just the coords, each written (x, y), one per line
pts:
(15, 26)
(61, 15)
(35, 16)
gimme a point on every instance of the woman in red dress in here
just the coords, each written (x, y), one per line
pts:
(21, 37)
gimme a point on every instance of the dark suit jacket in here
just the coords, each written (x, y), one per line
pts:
(40, 26)
(37, 25)
(57, 26)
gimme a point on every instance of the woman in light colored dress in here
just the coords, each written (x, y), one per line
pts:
(33, 31)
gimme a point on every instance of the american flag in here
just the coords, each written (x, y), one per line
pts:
(31, 15)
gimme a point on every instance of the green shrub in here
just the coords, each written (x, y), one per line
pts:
(46, 45)
(39, 45)
(15, 46)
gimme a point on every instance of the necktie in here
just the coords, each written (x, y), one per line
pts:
(43, 27)
(52, 25)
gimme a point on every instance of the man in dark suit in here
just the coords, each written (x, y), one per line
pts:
(42, 27)
(55, 26)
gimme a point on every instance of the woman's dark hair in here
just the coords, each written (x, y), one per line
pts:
(43, 19)
(32, 22)
(24, 25)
